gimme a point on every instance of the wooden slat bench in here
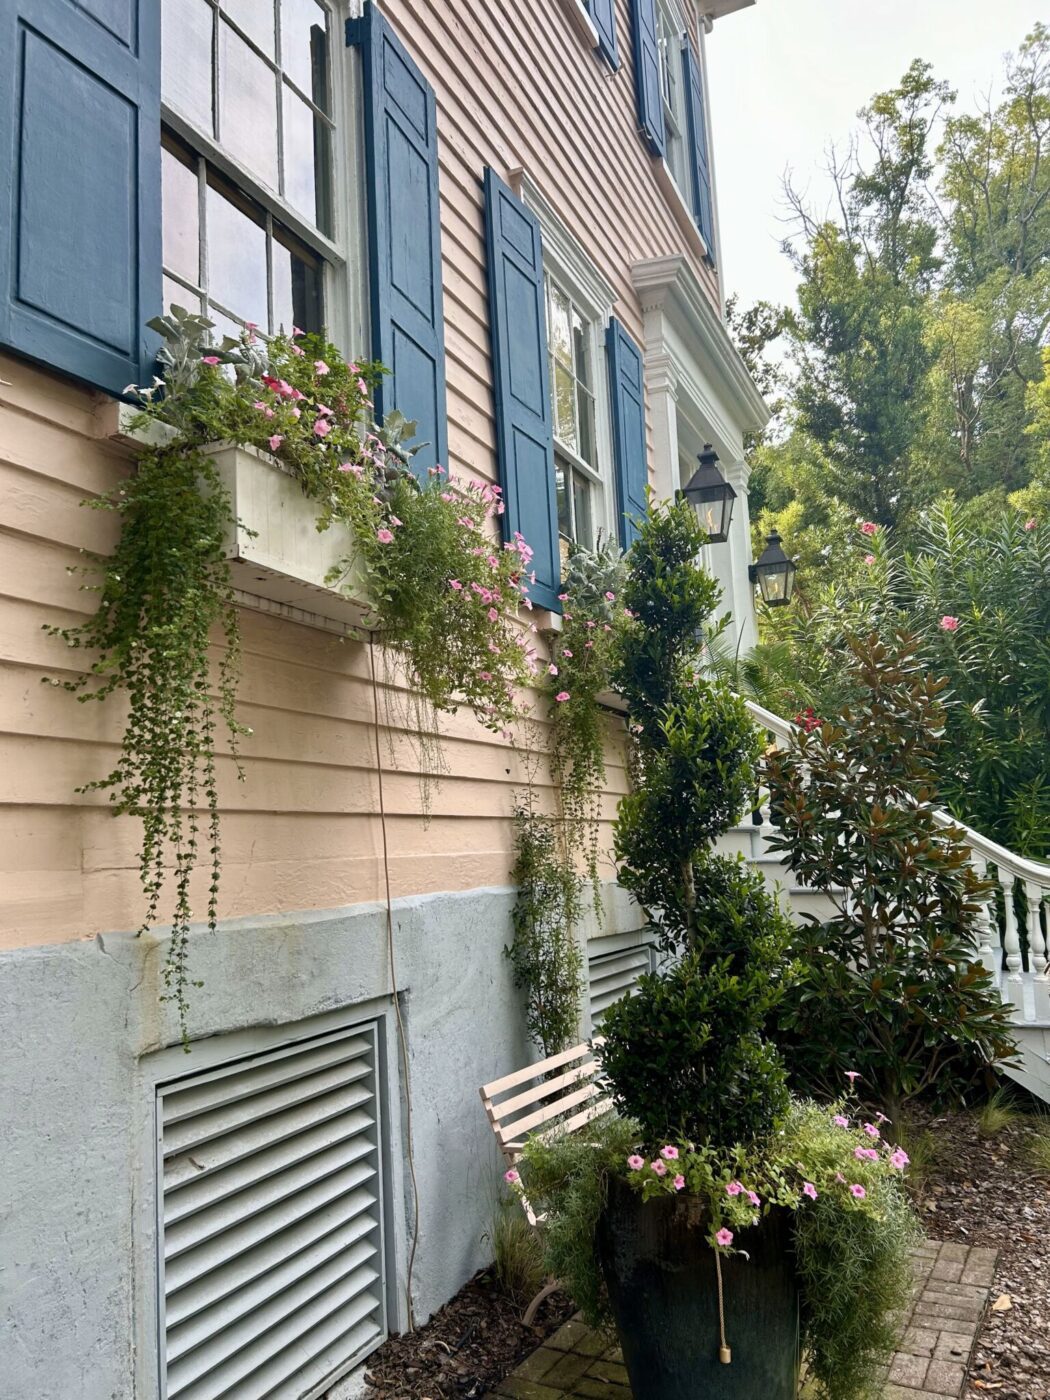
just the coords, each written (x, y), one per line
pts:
(553, 1096)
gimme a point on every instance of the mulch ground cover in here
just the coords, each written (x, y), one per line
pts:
(465, 1348)
(985, 1190)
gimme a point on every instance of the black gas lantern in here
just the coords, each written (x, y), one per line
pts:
(711, 496)
(774, 573)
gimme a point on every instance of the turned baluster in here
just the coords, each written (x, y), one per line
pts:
(989, 952)
(1014, 984)
(1037, 952)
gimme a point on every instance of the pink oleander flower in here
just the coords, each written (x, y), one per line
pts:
(734, 1188)
(275, 442)
(679, 1182)
(511, 1176)
(724, 1238)
(949, 623)
(635, 1162)
(384, 536)
(210, 360)
(670, 1153)
(808, 1189)
(562, 696)
(869, 527)
(552, 670)
(857, 1190)
(840, 1121)
(659, 1167)
(755, 1200)
(1030, 524)
(869, 559)
(321, 368)
(322, 427)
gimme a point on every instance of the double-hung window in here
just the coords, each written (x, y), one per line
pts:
(670, 27)
(572, 348)
(251, 143)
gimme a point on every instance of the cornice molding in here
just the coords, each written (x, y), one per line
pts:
(668, 285)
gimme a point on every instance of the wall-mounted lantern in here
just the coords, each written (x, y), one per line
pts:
(774, 573)
(711, 496)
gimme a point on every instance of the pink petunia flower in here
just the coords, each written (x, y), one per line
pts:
(868, 528)
(321, 368)
(899, 1159)
(949, 623)
(724, 1238)
(808, 1189)
(754, 1198)
(857, 1190)
(610, 597)
(511, 1176)
(384, 536)
(734, 1188)
(210, 360)
(562, 696)
(455, 583)
(635, 1162)
(670, 1153)
(275, 442)
(871, 1130)
(839, 1121)
(852, 1075)
(563, 597)
(552, 670)
(322, 427)
(659, 1167)
(566, 652)
(679, 1182)
(394, 520)
(493, 615)
(298, 330)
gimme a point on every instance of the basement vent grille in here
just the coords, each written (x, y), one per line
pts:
(271, 1221)
(613, 975)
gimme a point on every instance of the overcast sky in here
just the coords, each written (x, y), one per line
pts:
(788, 75)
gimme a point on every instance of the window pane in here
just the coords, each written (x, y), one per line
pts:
(582, 497)
(180, 217)
(236, 259)
(304, 47)
(296, 287)
(561, 340)
(580, 340)
(561, 486)
(565, 407)
(247, 107)
(306, 161)
(585, 421)
(186, 59)
(255, 18)
(175, 294)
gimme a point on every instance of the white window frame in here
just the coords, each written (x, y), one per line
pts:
(569, 267)
(343, 255)
(670, 16)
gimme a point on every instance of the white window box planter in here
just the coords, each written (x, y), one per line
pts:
(277, 551)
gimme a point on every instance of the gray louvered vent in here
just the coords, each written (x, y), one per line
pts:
(271, 1221)
(612, 975)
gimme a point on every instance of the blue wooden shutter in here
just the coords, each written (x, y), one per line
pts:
(404, 237)
(627, 396)
(521, 382)
(647, 74)
(80, 250)
(603, 13)
(701, 167)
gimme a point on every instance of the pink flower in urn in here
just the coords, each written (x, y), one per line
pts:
(552, 670)
(562, 696)
(949, 623)
(899, 1159)
(871, 1130)
(635, 1162)
(210, 360)
(868, 527)
(275, 442)
(754, 1198)
(840, 1121)
(679, 1182)
(493, 615)
(610, 597)
(511, 1176)
(455, 583)
(734, 1188)
(298, 330)
(322, 427)
(724, 1238)
(659, 1167)
(808, 1189)
(321, 368)
(671, 1153)
(857, 1190)
(384, 536)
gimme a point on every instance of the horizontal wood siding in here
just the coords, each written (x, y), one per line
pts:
(516, 87)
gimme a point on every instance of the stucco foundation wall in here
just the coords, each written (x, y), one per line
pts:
(86, 1040)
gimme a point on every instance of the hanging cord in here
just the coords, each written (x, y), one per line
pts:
(724, 1354)
(402, 1038)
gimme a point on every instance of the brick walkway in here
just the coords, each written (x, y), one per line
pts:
(952, 1283)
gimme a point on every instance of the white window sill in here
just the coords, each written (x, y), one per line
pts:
(680, 209)
(582, 22)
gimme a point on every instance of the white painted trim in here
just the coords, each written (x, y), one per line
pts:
(582, 22)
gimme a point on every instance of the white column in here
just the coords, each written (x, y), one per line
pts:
(661, 385)
(740, 594)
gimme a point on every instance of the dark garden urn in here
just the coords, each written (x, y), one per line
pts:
(659, 1267)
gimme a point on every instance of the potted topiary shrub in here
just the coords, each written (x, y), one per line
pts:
(717, 1207)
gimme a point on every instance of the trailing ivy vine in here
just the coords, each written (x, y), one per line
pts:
(440, 591)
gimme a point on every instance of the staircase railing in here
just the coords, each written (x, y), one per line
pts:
(1013, 941)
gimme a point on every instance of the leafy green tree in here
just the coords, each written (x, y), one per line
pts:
(888, 985)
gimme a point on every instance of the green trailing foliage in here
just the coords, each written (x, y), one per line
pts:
(545, 953)
(443, 595)
(888, 985)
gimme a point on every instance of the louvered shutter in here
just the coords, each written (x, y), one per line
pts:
(603, 13)
(271, 1222)
(521, 382)
(647, 92)
(80, 257)
(615, 975)
(703, 208)
(404, 237)
(627, 396)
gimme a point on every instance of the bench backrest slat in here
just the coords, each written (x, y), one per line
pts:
(551, 1103)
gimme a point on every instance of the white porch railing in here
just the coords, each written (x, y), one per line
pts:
(1013, 941)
